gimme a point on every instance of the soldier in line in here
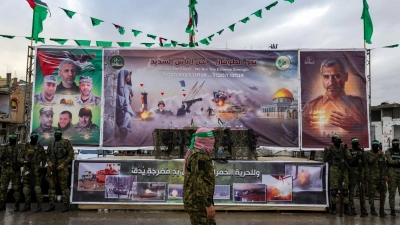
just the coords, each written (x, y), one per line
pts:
(393, 164)
(373, 157)
(85, 124)
(33, 158)
(59, 154)
(354, 175)
(87, 98)
(11, 171)
(199, 179)
(336, 155)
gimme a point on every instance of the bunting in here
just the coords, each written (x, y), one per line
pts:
(120, 29)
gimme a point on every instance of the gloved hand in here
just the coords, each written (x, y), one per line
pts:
(60, 167)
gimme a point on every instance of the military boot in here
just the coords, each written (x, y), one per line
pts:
(353, 212)
(39, 207)
(51, 207)
(16, 206)
(346, 209)
(364, 212)
(392, 212)
(27, 207)
(333, 209)
(65, 208)
(373, 212)
(2, 205)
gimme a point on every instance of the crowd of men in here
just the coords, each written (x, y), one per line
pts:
(32, 159)
(369, 170)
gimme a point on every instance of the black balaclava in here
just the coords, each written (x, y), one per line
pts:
(355, 143)
(336, 140)
(12, 138)
(395, 145)
(57, 134)
(375, 146)
(34, 138)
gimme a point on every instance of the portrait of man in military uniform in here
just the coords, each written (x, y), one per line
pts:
(65, 123)
(67, 72)
(85, 124)
(46, 121)
(47, 97)
(87, 98)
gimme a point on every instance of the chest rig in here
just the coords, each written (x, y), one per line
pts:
(59, 150)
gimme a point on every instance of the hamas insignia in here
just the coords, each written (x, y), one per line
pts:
(117, 62)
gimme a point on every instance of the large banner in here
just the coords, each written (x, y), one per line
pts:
(67, 94)
(237, 182)
(148, 89)
(333, 97)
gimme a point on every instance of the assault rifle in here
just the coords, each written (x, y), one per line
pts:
(381, 164)
(361, 182)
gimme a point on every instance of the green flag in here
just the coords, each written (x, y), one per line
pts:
(209, 37)
(69, 13)
(291, 1)
(192, 4)
(104, 43)
(220, 32)
(38, 39)
(232, 27)
(174, 43)
(245, 20)
(136, 32)
(124, 44)
(152, 36)
(120, 29)
(204, 41)
(59, 41)
(82, 42)
(95, 21)
(258, 13)
(271, 5)
(40, 10)
(147, 44)
(7, 36)
(183, 44)
(368, 27)
(391, 46)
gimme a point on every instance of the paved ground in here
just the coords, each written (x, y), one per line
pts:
(117, 217)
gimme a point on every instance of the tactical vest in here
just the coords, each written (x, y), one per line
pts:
(395, 156)
(335, 159)
(355, 156)
(59, 150)
(13, 151)
(32, 154)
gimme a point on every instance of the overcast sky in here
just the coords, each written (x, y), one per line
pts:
(313, 24)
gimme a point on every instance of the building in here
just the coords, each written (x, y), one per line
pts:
(283, 106)
(12, 108)
(385, 123)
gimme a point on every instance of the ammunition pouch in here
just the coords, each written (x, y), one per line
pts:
(345, 192)
(334, 193)
(26, 191)
(59, 150)
(37, 189)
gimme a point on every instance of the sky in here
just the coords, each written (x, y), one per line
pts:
(305, 24)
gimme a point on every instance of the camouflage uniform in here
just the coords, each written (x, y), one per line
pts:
(87, 130)
(374, 173)
(354, 175)
(41, 131)
(35, 156)
(198, 188)
(59, 152)
(92, 101)
(393, 164)
(11, 171)
(41, 100)
(67, 91)
(335, 171)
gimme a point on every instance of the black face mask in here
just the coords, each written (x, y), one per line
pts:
(12, 141)
(336, 143)
(395, 147)
(355, 145)
(57, 137)
(34, 140)
(375, 148)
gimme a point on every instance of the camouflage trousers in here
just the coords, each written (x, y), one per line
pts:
(61, 177)
(200, 218)
(354, 177)
(6, 177)
(32, 183)
(373, 184)
(334, 182)
(393, 184)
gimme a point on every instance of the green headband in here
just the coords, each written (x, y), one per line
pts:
(201, 134)
(58, 131)
(395, 142)
(34, 134)
(12, 136)
(375, 143)
(354, 140)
